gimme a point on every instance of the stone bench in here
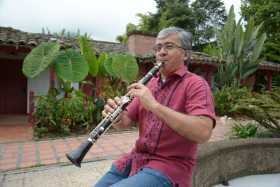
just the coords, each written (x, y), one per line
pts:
(221, 161)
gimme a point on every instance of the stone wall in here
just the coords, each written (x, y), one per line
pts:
(224, 160)
(140, 44)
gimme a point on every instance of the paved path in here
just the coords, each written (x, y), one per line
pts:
(38, 153)
(20, 161)
(56, 175)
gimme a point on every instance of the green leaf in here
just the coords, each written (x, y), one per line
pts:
(249, 30)
(93, 68)
(258, 48)
(248, 69)
(71, 66)
(240, 49)
(239, 41)
(40, 58)
(101, 69)
(89, 55)
(108, 66)
(126, 67)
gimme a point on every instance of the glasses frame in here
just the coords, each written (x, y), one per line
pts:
(167, 47)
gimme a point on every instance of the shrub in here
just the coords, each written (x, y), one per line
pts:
(62, 116)
(113, 87)
(227, 97)
(244, 130)
(263, 108)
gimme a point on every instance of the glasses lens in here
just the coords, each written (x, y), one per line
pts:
(157, 48)
(169, 46)
(166, 46)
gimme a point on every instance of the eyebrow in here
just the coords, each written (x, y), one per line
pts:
(167, 43)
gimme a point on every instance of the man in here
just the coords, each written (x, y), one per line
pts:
(174, 111)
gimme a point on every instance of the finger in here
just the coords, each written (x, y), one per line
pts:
(117, 120)
(129, 93)
(130, 87)
(108, 109)
(112, 103)
(117, 100)
(104, 113)
(133, 92)
(135, 86)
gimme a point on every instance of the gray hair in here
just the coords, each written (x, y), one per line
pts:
(184, 36)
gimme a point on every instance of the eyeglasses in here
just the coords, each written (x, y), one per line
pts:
(166, 46)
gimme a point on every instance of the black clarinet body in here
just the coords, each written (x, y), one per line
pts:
(76, 156)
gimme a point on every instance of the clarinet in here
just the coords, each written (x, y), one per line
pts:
(76, 156)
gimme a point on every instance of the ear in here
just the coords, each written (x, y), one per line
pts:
(187, 56)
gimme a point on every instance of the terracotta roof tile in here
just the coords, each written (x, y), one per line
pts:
(16, 37)
(266, 65)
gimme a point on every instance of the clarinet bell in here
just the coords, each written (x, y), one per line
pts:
(76, 156)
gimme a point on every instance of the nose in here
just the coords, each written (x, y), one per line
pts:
(161, 52)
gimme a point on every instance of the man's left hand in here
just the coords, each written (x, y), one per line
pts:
(144, 94)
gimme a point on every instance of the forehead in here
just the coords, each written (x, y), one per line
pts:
(171, 38)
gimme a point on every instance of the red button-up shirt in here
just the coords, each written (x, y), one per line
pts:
(158, 146)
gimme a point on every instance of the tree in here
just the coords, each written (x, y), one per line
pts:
(268, 12)
(170, 13)
(176, 13)
(210, 15)
(129, 28)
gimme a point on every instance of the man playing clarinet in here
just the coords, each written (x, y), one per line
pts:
(174, 111)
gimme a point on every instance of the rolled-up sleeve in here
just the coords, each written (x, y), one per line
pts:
(200, 100)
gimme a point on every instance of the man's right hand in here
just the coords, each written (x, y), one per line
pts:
(110, 106)
(122, 120)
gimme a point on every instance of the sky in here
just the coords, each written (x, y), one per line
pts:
(103, 19)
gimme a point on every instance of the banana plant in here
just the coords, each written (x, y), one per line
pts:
(239, 49)
(72, 65)
(40, 58)
(69, 65)
(122, 66)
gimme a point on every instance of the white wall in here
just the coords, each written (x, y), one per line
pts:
(39, 85)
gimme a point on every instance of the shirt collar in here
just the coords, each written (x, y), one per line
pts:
(182, 70)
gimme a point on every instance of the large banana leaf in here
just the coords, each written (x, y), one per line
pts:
(108, 66)
(89, 55)
(71, 66)
(101, 60)
(40, 58)
(126, 67)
